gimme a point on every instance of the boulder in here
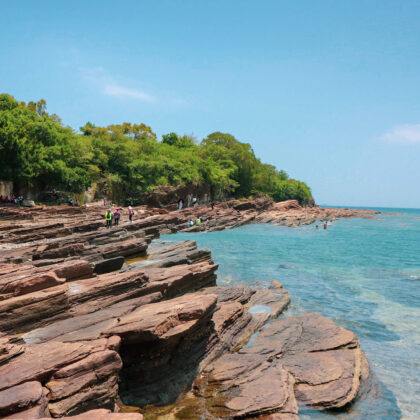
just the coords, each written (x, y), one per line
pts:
(107, 266)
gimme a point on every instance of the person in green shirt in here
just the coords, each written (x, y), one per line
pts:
(108, 219)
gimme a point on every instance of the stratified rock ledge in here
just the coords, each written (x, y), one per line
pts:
(96, 324)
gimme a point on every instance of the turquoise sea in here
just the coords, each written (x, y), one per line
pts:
(362, 273)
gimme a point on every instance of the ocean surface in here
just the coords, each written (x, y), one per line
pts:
(362, 273)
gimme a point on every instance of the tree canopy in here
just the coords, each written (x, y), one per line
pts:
(37, 150)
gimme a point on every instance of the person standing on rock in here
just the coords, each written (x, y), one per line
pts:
(180, 204)
(212, 205)
(194, 201)
(105, 201)
(108, 219)
(130, 214)
(117, 215)
(198, 221)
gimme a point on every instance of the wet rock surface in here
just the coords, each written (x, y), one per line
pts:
(95, 320)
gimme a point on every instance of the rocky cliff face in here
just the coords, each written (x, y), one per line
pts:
(93, 321)
(169, 196)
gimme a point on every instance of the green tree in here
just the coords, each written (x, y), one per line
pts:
(37, 150)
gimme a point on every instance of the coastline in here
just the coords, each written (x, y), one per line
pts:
(92, 300)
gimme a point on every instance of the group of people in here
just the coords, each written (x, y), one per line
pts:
(197, 222)
(194, 203)
(325, 226)
(12, 200)
(72, 202)
(113, 217)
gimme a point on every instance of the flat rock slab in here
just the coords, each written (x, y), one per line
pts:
(276, 301)
(88, 326)
(242, 294)
(246, 386)
(325, 359)
(22, 313)
(167, 320)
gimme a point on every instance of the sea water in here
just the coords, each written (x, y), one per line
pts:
(362, 273)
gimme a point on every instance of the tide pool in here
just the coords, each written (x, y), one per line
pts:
(362, 273)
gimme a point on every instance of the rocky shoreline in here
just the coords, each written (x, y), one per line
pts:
(95, 323)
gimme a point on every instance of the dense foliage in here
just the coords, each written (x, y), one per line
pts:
(37, 151)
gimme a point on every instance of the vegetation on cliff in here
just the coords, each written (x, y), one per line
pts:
(36, 150)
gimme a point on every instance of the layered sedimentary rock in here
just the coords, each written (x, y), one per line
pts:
(75, 376)
(240, 386)
(94, 319)
(325, 360)
(162, 344)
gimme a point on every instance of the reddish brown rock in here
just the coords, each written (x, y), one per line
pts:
(29, 396)
(163, 343)
(177, 253)
(49, 358)
(275, 301)
(88, 326)
(15, 286)
(65, 251)
(103, 414)
(232, 328)
(64, 304)
(130, 247)
(101, 394)
(325, 359)
(84, 373)
(75, 269)
(77, 376)
(241, 294)
(166, 321)
(105, 290)
(180, 279)
(238, 386)
(22, 313)
(9, 348)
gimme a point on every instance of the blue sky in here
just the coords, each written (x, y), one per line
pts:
(327, 90)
